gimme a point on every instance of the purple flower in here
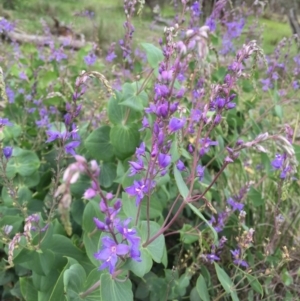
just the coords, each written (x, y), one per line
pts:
(278, 161)
(110, 57)
(230, 105)
(90, 193)
(6, 26)
(54, 135)
(196, 9)
(145, 123)
(176, 124)
(161, 91)
(218, 119)
(210, 257)
(136, 167)
(220, 102)
(200, 172)
(211, 23)
(100, 225)
(22, 75)
(164, 160)
(134, 241)
(135, 252)
(69, 148)
(90, 59)
(219, 223)
(296, 85)
(140, 151)
(235, 205)
(57, 55)
(5, 121)
(196, 115)
(166, 76)
(162, 110)
(110, 253)
(285, 171)
(180, 165)
(267, 84)
(137, 190)
(237, 260)
(10, 95)
(206, 144)
(7, 151)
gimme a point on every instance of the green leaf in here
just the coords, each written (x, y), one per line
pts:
(194, 296)
(98, 144)
(188, 234)
(45, 283)
(175, 150)
(287, 278)
(91, 239)
(42, 263)
(28, 290)
(91, 210)
(202, 289)
(77, 209)
(73, 279)
(16, 290)
(156, 247)
(181, 284)
(255, 197)
(219, 74)
(164, 259)
(183, 189)
(93, 277)
(92, 245)
(128, 205)
(63, 246)
(124, 139)
(119, 114)
(58, 127)
(156, 208)
(114, 290)
(266, 162)
(226, 282)
(297, 151)
(56, 293)
(140, 268)
(154, 54)
(47, 78)
(108, 173)
(25, 163)
(33, 180)
(253, 281)
(12, 132)
(134, 102)
(199, 214)
(279, 111)
(24, 196)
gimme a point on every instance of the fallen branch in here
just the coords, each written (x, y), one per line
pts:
(39, 40)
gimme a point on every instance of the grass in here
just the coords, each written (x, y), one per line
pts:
(107, 26)
(273, 32)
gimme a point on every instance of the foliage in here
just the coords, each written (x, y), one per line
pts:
(173, 177)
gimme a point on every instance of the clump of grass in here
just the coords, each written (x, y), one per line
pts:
(279, 30)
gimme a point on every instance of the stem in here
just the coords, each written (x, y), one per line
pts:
(171, 210)
(90, 290)
(138, 214)
(145, 82)
(163, 229)
(214, 180)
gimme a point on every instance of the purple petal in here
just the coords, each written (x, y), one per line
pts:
(122, 249)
